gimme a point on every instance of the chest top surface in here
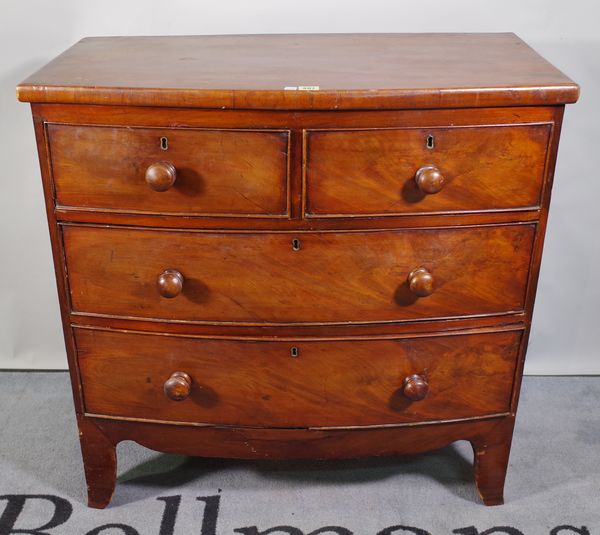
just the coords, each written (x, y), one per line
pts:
(309, 71)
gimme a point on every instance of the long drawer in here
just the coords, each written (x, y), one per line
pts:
(313, 277)
(170, 170)
(297, 383)
(424, 170)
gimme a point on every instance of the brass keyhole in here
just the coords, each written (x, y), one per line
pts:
(294, 351)
(430, 142)
(164, 143)
(296, 244)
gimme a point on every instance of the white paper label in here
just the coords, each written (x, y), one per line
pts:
(301, 88)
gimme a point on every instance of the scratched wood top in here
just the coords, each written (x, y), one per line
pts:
(351, 71)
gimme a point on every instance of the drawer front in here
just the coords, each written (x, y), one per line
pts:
(216, 172)
(332, 278)
(329, 383)
(374, 172)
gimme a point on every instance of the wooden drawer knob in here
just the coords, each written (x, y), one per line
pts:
(160, 176)
(429, 179)
(415, 387)
(178, 386)
(170, 283)
(421, 282)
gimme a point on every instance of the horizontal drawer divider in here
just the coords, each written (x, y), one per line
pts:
(312, 428)
(311, 230)
(426, 334)
(76, 314)
(286, 223)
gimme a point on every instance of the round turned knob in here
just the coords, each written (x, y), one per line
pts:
(178, 386)
(420, 282)
(170, 283)
(160, 176)
(415, 387)
(429, 179)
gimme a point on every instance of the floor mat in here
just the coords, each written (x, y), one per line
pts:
(553, 483)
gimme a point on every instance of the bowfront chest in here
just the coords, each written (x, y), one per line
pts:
(314, 246)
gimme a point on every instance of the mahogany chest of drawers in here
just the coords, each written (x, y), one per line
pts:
(313, 246)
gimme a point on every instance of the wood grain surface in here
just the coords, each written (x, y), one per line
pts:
(327, 383)
(364, 71)
(488, 437)
(372, 172)
(217, 171)
(131, 118)
(358, 277)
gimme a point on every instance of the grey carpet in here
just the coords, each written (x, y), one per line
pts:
(553, 479)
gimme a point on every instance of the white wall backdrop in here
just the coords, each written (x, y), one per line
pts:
(566, 336)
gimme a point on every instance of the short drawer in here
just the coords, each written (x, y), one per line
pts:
(327, 383)
(311, 277)
(390, 172)
(170, 170)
